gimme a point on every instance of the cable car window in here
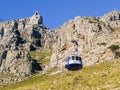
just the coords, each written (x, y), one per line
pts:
(73, 58)
(77, 58)
(67, 59)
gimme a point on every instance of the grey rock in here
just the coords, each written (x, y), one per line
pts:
(17, 39)
(94, 36)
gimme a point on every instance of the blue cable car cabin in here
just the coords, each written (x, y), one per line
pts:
(73, 62)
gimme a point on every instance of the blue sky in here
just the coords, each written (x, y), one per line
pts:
(56, 12)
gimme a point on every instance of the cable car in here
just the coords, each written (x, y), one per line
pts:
(73, 62)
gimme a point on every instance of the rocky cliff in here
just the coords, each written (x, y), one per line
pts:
(17, 39)
(98, 40)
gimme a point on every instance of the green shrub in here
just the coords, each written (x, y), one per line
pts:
(117, 54)
(114, 47)
(103, 43)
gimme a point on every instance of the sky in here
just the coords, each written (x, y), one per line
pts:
(55, 12)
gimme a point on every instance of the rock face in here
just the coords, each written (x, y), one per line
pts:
(94, 36)
(17, 39)
(97, 39)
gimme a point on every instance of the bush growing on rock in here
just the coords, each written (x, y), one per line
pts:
(114, 47)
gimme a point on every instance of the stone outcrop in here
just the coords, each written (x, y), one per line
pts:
(17, 39)
(17, 62)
